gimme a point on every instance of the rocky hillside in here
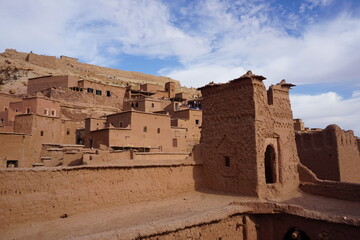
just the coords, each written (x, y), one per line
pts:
(16, 67)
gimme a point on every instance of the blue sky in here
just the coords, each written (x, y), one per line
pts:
(314, 44)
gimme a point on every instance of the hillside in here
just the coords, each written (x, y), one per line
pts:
(16, 67)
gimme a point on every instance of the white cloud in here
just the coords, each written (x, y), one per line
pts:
(318, 111)
(93, 29)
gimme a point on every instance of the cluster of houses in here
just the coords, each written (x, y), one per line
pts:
(36, 129)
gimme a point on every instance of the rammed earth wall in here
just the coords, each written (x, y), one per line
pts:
(39, 194)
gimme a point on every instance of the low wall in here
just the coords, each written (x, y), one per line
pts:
(331, 189)
(47, 193)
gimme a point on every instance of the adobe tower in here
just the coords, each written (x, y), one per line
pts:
(247, 139)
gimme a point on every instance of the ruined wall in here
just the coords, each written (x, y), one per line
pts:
(42, 60)
(85, 98)
(241, 122)
(228, 137)
(41, 194)
(332, 154)
(274, 130)
(42, 83)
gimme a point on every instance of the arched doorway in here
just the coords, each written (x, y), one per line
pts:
(270, 164)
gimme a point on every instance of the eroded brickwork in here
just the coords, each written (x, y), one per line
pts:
(245, 127)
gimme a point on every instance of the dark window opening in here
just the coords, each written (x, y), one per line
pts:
(98, 92)
(158, 130)
(68, 132)
(136, 105)
(175, 143)
(41, 133)
(27, 110)
(108, 93)
(197, 121)
(227, 161)
(121, 124)
(270, 163)
(11, 163)
(90, 90)
(295, 233)
(16, 110)
(46, 111)
(145, 129)
(152, 105)
(5, 108)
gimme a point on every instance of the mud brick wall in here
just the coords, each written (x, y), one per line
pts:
(39, 194)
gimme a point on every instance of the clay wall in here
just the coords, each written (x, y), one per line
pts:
(332, 154)
(229, 156)
(106, 89)
(298, 125)
(36, 105)
(42, 130)
(243, 128)
(42, 60)
(144, 105)
(5, 100)
(170, 89)
(281, 226)
(258, 227)
(14, 147)
(152, 130)
(275, 130)
(42, 194)
(148, 87)
(46, 82)
(84, 98)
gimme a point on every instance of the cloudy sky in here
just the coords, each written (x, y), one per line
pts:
(314, 44)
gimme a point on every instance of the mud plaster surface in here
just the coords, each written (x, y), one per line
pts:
(148, 218)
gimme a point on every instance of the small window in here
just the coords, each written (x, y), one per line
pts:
(46, 111)
(98, 92)
(11, 163)
(2, 120)
(197, 121)
(41, 133)
(27, 110)
(136, 105)
(90, 90)
(145, 129)
(227, 161)
(5, 108)
(53, 113)
(108, 93)
(152, 105)
(121, 124)
(16, 110)
(68, 132)
(158, 130)
(174, 142)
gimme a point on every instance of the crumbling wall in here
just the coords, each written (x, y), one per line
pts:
(332, 154)
(85, 98)
(28, 195)
(42, 60)
(241, 121)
